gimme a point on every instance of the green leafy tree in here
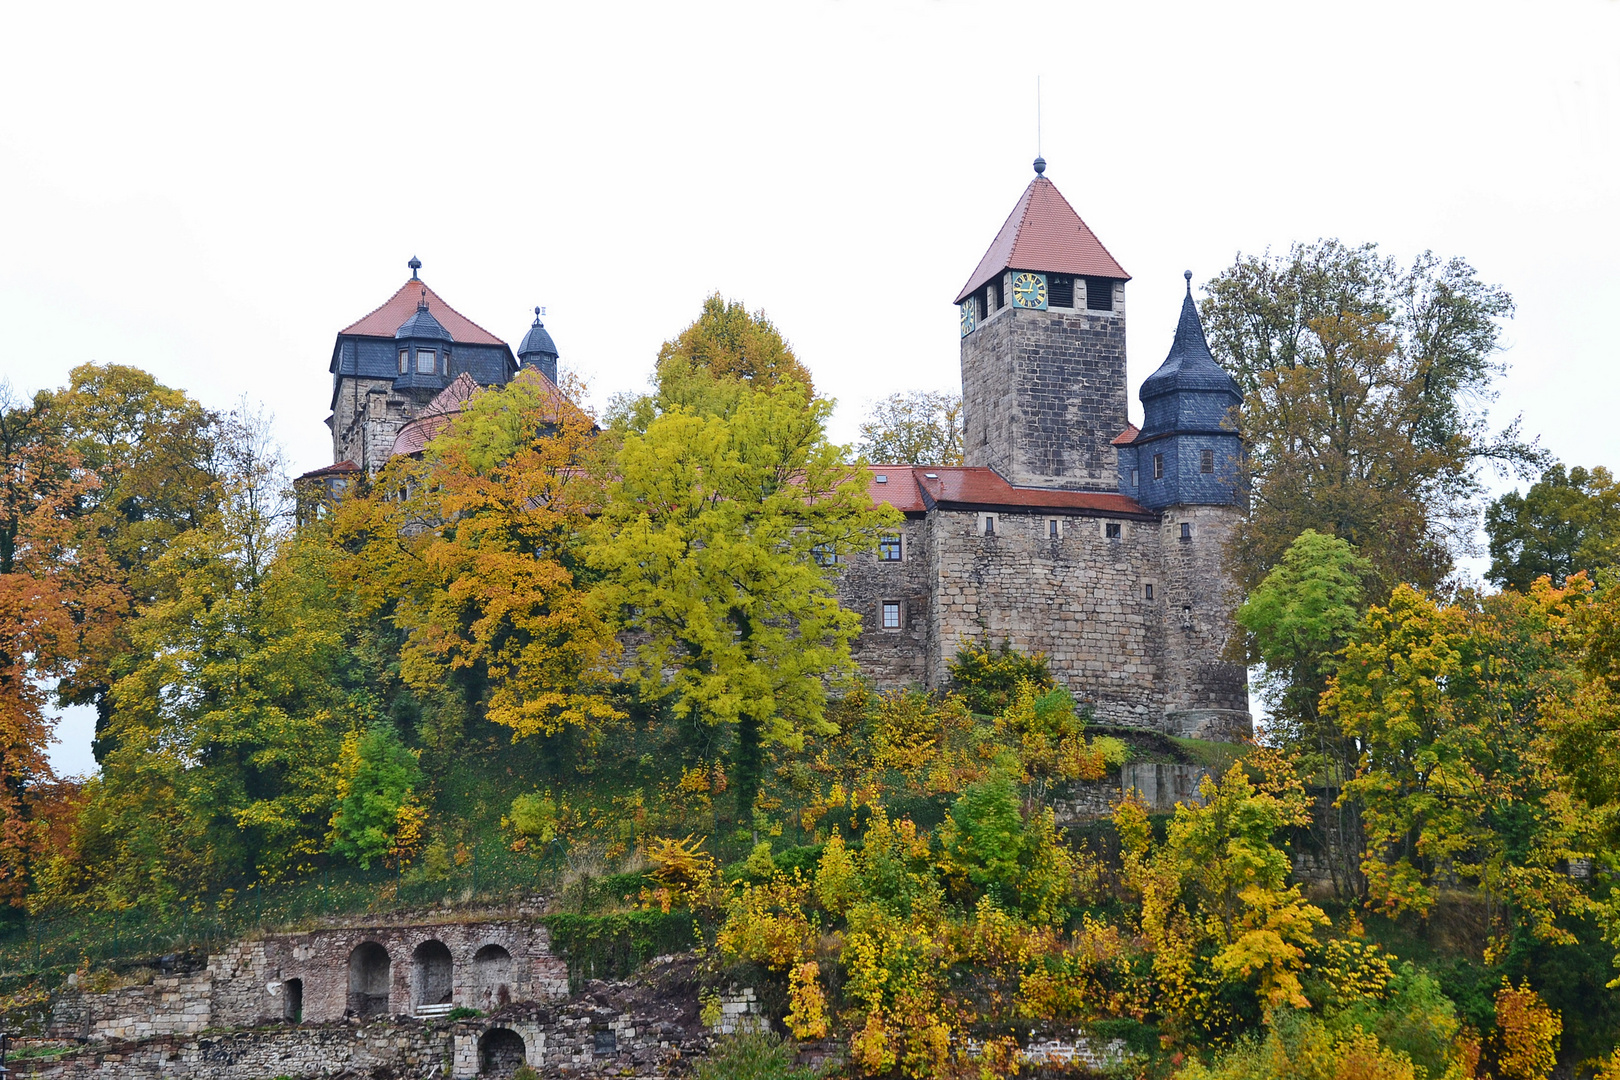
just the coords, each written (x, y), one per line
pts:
(916, 428)
(1298, 619)
(1567, 522)
(729, 343)
(1365, 386)
(376, 809)
(710, 544)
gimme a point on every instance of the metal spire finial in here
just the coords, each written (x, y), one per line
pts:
(415, 264)
(1188, 275)
(537, 313)
(421, 305)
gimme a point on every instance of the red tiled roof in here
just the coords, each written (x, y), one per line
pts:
(1044, 234)
(1128, 436)
(444, 408)
(399, 307)
(436, 416)
(917, 488)
(337, 468)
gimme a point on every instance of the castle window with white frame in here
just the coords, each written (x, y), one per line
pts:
(404, 361)
(1054, 528)
(891, 615)
(987, 524)
(1158, 466)
(427, 362)
(1112, 530)
(890, 548)
(1186, 530)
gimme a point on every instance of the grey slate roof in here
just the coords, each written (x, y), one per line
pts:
(1190, 366)
(537, 341)
(422, 324)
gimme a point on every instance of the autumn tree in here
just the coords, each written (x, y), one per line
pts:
(226, 723)
(1567, 522)
(916, 428)
(730, 343)
(713, 542)
(58, 593)
(1365, 386)
(153, 451)
(472, 553)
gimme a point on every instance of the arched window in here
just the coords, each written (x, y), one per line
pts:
(500, 1052)
(369, 979)
(433, 980)
(492, 978)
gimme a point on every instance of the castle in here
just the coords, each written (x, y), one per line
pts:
(1067, 531)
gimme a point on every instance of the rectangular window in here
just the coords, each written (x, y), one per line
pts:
(1111, 530)
(1060, 290)
(1054, 528)
(1158, 466)
(404, 361)
(1147, 592)
(1001, 301)
(891, 615)
(426, 362)
(1134, 480)
(981, 298)
(1186, 530)
(989, 524)
(889, 548)
(824, 554)
(1206, 461)
(1099, 294)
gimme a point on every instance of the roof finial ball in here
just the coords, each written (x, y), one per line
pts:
(415, 264)
(1188, 275)
(1040, 166)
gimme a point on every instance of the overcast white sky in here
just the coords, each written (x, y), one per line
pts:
(211, 192)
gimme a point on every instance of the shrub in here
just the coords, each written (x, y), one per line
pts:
(988, 679)
(377, 813)
(752, 1057)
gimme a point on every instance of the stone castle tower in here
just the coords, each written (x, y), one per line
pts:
(1068, 531)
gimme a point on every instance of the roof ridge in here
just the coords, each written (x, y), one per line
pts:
(1083, 223)
(376, 309)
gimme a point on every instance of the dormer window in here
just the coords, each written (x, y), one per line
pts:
(427, 362)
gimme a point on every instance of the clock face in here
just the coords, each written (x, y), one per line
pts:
(967, 316)
(1029, 291)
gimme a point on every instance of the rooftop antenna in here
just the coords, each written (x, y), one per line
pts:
(1040, 162)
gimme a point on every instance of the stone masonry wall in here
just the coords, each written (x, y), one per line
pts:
(891, 657)
(1043, 395)
(1081, 599)
(251, 979)
(1205, 695)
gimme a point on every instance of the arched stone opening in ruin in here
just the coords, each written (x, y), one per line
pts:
(492, 978)
(369, 979)
(433, 980)
(292, 1001)
(500, 1052)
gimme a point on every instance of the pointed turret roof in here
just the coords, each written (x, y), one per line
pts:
(1190, 365)
(403, 304)
(1045, 235)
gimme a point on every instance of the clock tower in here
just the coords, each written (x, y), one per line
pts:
(1043, 349)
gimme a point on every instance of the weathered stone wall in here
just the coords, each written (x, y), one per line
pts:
(146, 1005)
(1081, 599)
(1205, 695)
(1162, 786)
(891, 657)
(252, 978)
(1043, 395)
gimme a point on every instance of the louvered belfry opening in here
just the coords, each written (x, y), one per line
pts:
(1060, 290)
(1099, 294)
